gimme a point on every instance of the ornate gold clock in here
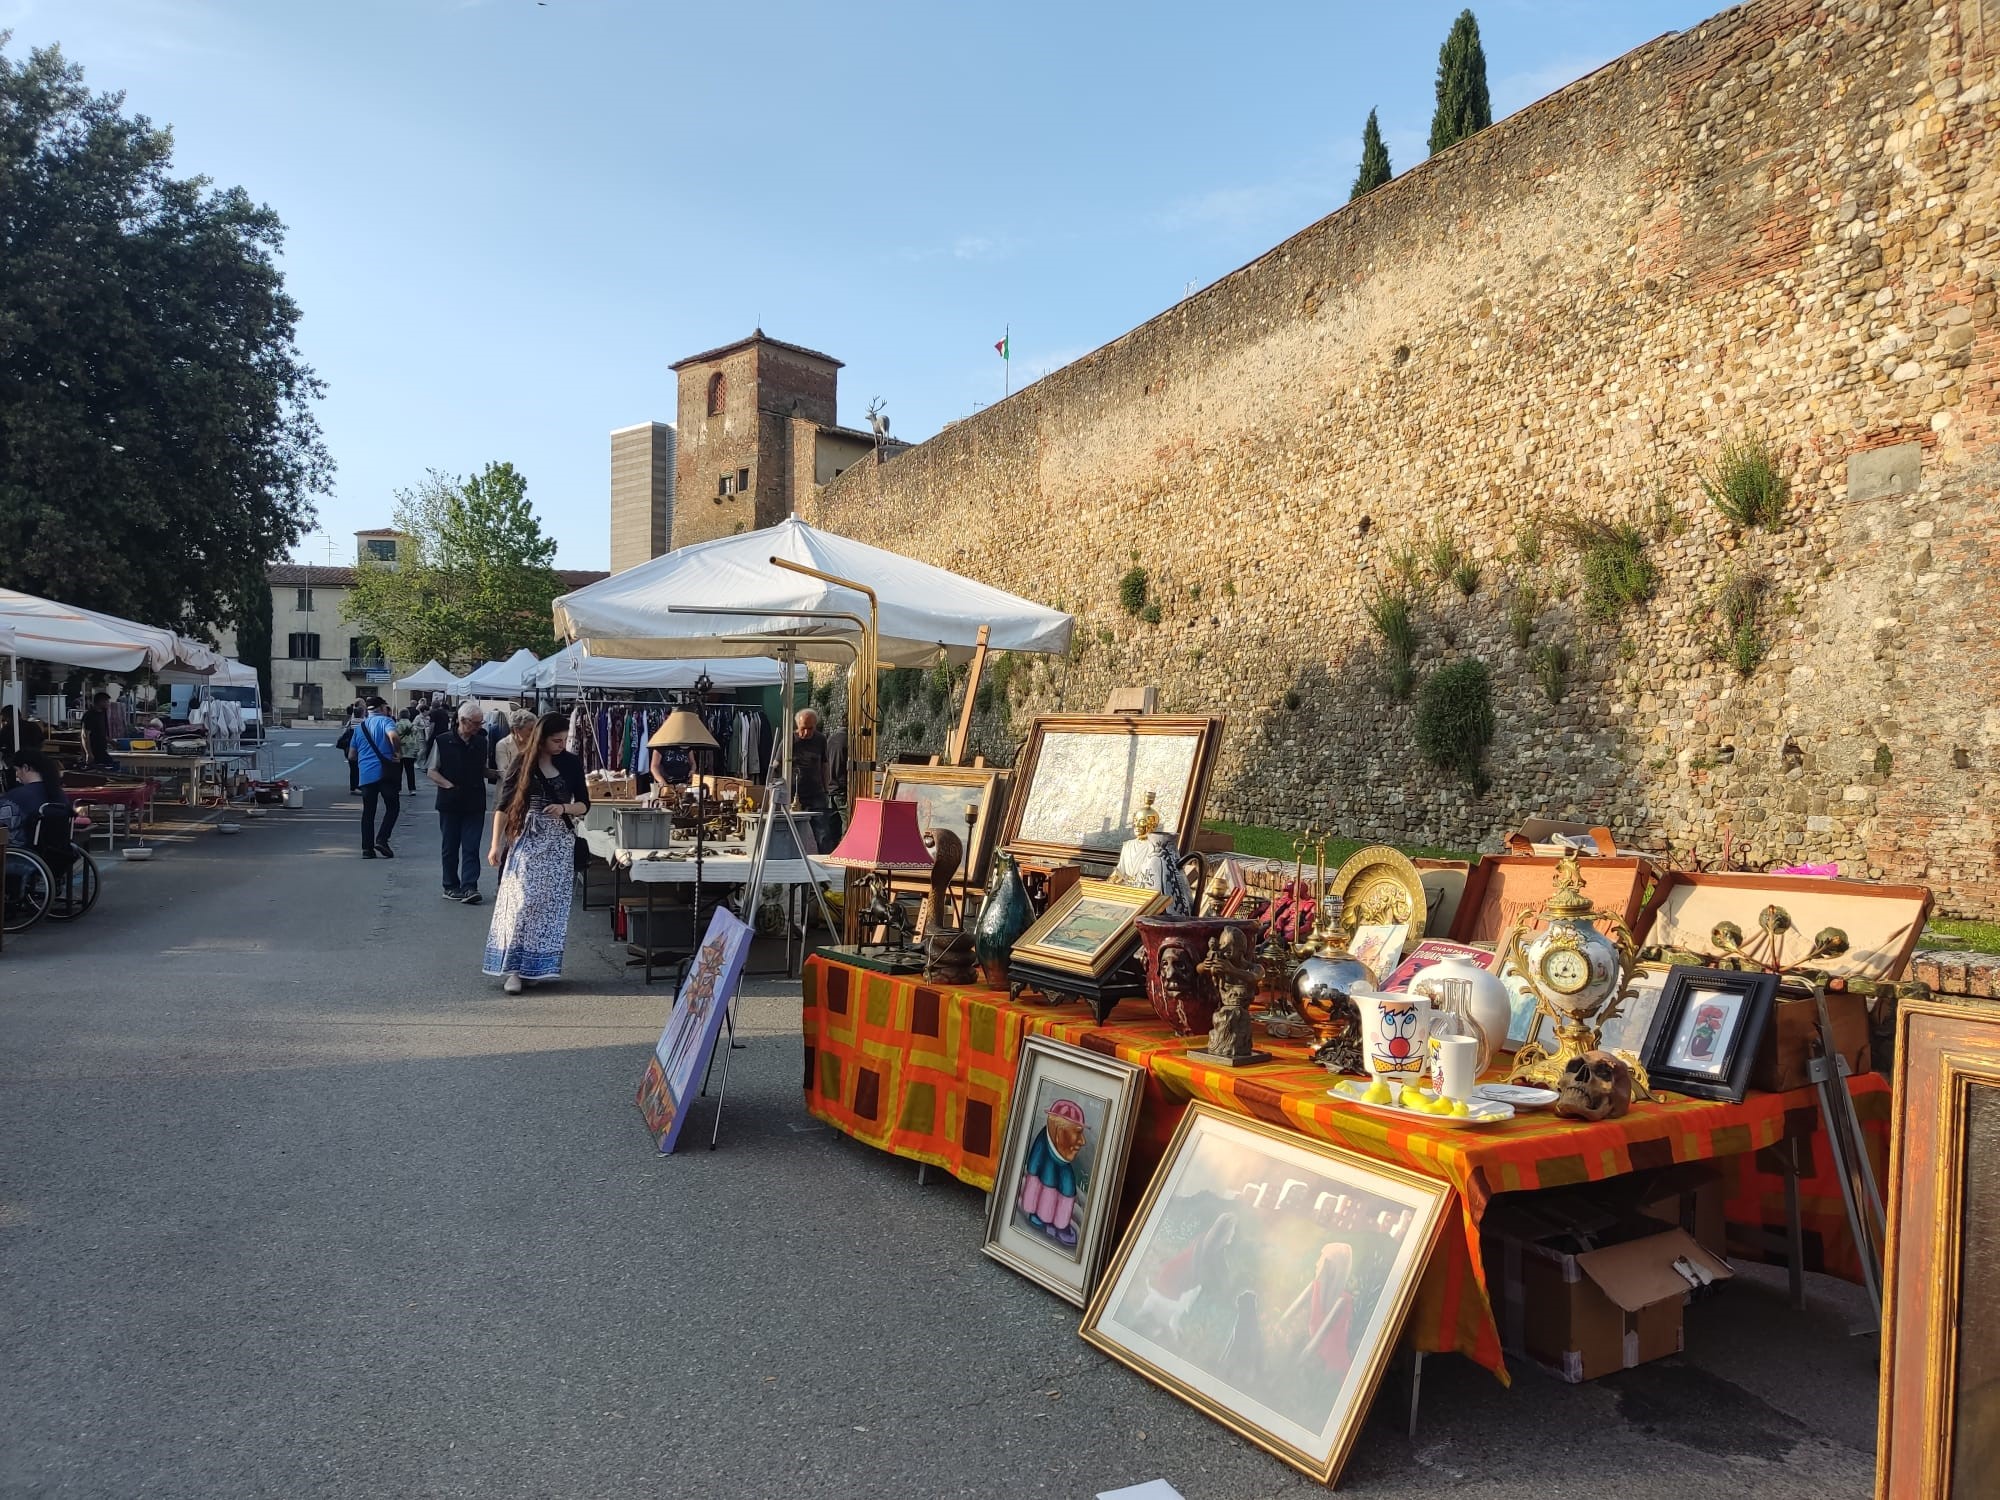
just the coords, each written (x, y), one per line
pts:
(1578, 963)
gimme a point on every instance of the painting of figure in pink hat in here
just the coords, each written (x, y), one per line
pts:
(1054, 1188)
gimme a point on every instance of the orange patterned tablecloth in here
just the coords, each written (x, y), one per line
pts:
(927, 1072)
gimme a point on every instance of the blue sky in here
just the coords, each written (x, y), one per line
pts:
(507, 219)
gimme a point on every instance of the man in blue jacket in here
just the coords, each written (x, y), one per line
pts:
(379, 769)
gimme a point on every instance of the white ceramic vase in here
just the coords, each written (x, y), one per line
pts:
(1491, 1009)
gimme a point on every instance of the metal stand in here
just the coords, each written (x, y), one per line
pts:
(753, 888)
(722, 1088)
(1859, 1192)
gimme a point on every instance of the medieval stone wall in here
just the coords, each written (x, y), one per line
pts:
(1782, 224)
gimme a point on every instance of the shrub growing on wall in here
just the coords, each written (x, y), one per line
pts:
(1455, 719)
(1746, 487)
(1617, 573)
(1132, 590)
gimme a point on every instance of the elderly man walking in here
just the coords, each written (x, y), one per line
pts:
(460, 766)
(380, 773)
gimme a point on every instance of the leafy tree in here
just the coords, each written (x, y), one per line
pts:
(1374, 160)
(473, 582)
(253, 633)
(1463, 107)
(157, 440)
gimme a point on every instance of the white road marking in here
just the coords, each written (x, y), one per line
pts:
(289, 769)
(323, 744)
(290, 744)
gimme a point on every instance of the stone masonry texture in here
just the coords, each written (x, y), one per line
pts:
(1781, 224)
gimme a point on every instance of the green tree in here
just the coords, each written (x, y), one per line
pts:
(253, 633)
(157, 439)
(1374, 160)
(1463, 107)
(474, 580)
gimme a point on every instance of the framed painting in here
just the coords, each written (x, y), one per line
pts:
(681, 1055)
(1706, 1029)
(1080, 779)
(1062, 1165)
(943, 795)
(1939, 1429)
(1265, 1280)
(1088, 928)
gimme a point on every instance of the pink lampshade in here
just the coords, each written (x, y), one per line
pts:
(883, 836)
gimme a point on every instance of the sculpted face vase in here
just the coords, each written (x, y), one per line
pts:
(1181, 994)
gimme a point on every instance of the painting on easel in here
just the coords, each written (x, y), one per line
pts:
(681, 1056)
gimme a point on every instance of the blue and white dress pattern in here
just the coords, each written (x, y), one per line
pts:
(531, 911)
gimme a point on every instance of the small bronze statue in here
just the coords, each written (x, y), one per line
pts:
(1236, 974)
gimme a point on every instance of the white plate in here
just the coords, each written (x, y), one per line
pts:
(1520, 1095)
(1484, 1111)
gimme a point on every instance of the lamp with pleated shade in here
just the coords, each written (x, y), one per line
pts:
(883, 836)
(685, 731)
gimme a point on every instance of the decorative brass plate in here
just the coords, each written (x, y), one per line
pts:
(1379, 884)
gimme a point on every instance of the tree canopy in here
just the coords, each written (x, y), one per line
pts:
(157, 439)
(1374, 160)
(1463, 107)
(474, 580)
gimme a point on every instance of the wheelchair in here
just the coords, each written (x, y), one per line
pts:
(52, 876)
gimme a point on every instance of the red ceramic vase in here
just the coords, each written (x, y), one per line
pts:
(1181, 995)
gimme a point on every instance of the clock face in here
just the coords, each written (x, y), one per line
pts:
(1565, 970)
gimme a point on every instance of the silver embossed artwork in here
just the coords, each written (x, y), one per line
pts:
(1088, 786)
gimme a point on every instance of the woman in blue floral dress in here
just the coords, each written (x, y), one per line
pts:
(534, 841)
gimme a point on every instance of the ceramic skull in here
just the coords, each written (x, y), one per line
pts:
(1595, 1086)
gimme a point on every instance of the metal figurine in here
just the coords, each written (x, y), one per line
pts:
(1235, 974)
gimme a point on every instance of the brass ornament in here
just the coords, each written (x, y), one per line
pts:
(1379, 885)
(1579, 963)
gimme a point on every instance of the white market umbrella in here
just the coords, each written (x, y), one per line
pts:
(432, 677)
(576, 667)
(504, 679)
(65, 635)
(227, 672)
(631, 614)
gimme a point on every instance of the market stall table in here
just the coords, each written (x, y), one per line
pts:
(134, 803)
(927, 1072)
(656, 867)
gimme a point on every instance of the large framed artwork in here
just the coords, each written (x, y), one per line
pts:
(1080, 778)
(1939, 1429)
(1062, 1165)
(681, 1055)
(1088, 928)
(1265, 1280)
(943, 794)
(1705, 1031)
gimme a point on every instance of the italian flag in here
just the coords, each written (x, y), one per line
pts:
(1001, 348)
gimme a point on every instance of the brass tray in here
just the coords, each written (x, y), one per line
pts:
(1379, 884)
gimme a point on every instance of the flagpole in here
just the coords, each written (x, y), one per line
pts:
(1007, 361)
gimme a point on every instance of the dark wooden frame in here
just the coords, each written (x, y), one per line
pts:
(1194, 795)
(1759, 992)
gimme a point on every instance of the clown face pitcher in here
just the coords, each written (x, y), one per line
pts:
(1394, 1029)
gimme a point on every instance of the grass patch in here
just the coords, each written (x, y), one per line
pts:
(1455, 719)
(1521, 612)
(1739, 637)
(1975, 937)
(1258, 842)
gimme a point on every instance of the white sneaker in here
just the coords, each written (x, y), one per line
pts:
(511, 984)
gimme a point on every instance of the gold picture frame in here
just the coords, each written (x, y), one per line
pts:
(947, 791)
(1088, 928)
(1938, 1434)
(1331, 1242)
(1080, 778)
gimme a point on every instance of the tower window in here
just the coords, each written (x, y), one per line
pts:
(718, 393)
(743, 480)
(725, 485)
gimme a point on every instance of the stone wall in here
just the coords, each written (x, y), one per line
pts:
(1782, 224)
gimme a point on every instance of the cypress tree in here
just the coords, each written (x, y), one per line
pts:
(1463, 106)
(1374, 160)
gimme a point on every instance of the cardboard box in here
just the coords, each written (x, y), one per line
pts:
(1689, 1195)
(1787, 1048)
(1582, 1313)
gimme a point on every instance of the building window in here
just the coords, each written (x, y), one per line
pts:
(364, 652)
(718, 393)
(743, 481)
(726, 485)
(383, 550)
(302, 645)
(305, 601)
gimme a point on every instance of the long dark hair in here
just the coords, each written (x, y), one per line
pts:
(525, 770)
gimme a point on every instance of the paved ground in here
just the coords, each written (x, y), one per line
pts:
(292, 1202)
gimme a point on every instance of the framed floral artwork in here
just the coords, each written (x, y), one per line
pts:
(1062, 1165)
(1706, 1029)
(1265, 1280)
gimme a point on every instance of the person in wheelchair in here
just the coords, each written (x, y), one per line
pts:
(37, 814)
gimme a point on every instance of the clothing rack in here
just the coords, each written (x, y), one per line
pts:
(612, 730)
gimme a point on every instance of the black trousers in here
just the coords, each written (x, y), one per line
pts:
(410, 774)
(391, 796)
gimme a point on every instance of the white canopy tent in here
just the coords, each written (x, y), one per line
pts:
(631, 614)
(67, 636)
(576, 667)
(229, 672)
(503, 679)
(432, 677)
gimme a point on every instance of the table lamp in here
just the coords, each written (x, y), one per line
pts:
(685, 731)
(883, 836)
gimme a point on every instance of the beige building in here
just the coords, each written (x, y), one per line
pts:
(642, 493)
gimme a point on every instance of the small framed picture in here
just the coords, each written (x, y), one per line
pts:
(1706, 1030)
(1062, 1165)
(1088, 928)
(1265, 1279)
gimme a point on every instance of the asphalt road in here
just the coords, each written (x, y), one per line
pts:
(293, 1202)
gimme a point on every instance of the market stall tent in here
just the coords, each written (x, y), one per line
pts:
(432, 677)
(67, 636)
(503, 679)
(631, 614)
(576, 667)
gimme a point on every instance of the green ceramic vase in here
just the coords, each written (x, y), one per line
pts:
(1003, 917)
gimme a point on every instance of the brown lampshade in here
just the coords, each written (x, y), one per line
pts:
(883, 836)
(683, 731)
